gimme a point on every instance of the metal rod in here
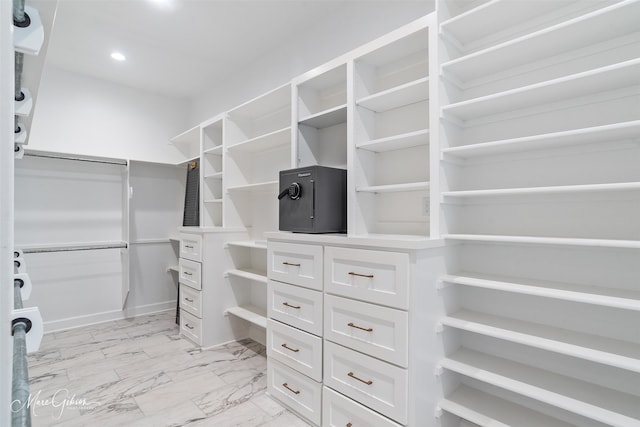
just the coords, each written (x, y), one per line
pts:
(19, 65)
(20, 411)
(18, 10)
(121, 245)
(79, 159)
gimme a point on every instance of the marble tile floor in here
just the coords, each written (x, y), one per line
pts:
(140, 372)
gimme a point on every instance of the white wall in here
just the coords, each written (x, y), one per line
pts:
(83, 115)
(354, 24)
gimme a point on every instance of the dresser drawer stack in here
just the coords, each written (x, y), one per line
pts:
(190, 279)
(294, 327)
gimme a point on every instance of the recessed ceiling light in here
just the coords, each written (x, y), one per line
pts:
(118, 56)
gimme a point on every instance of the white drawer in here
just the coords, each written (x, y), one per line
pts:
(372, 382)
(191, 327)
(191, 247)
(339, 411)
(374, 276)
(381, 332)
(294, 263)
(295, 348)
(190, 300)
(189, 273)
(295, 390)
(295, 306)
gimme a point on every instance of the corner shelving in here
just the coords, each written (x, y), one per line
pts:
(212, 172)
(188, 145)
(391, 165)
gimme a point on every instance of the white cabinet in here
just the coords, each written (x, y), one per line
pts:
(540, 189)
(369, 329)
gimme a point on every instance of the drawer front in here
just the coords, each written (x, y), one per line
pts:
(372, 382)
(191, 247)
(340, 411)
(190, 300)
(294, 263)
(191, 327)
(189, 273)
(381, 332)
(295, 348)
(295, 390)
(295, 306)
(373, 276)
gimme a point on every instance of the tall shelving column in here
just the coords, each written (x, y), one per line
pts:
(391, 136)
(211, 172)
(257, 146)
(539, 128)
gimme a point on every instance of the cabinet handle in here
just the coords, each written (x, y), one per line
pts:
(188, 299)
(297, 307)
(285, 385)
(368, 276)
(188, 326)
(290, 263)
(188, 246)
(360, 327)
(186, 273)
(295, 350)
(352, 375)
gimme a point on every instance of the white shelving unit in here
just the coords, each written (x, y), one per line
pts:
(188, 144)
(391, 165)
(212, 172)
(539, 131)
(321, 117)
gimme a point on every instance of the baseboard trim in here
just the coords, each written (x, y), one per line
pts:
(107, 316)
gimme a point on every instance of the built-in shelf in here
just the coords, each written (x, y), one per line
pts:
(486, 410)
(261, 186)
(326, 118)
(592, 28)
(621, 354)
(601, 404)
(394, 188)
(187, 137)
(408, 93)
(217, 175)
(254, 315)
(173, 268)
(252, 244)
(268, 141)
(187, 161)
(213, 200)
(397, 142)
(608, 297)
(612, 77)
(607, 133)
(217, 150)
(567, 241)
(562, 189)
(256, 276)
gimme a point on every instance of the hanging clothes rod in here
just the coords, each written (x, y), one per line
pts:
(72, 248)
(20, 413)
(19, 19)
(78, 159)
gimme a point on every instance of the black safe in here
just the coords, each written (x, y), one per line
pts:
(313, 200)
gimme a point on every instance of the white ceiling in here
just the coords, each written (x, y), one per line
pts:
(175, 47)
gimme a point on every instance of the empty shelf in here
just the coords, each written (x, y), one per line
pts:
(568, 241)
(217, 150)
(278, 138)
(256, 276)
(608, 297)
(217, 175)
(173, 268)
(251, 314)
(408, 93)
(396, 142)
(261, 186)
(254, 244)
(598, 403)
(487, 410)
(327, 118)
(618, 186)
(611, 352)
(392, 188)
(606, 133)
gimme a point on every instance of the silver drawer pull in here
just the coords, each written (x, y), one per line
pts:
(295, 350)
(297, 307)
(368, 276)
(352, 375)
(359, 327)
(186, 273)
(188, 246)
(290, 263)
(188, 326)
(285, 385)
(188, 299)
